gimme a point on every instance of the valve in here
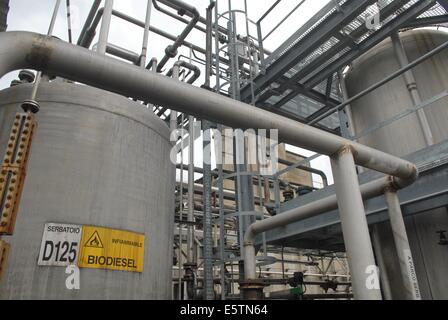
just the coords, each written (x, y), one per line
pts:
(297, 280)
(288, 194)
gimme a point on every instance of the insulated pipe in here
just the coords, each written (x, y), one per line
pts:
(105, 26)
(171, 51)
(22, 50)
(355, 228)
(407, 268)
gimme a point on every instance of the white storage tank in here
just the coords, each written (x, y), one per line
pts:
(97, 159)
(404, 137)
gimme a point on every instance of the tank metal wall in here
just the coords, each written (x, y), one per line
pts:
(97, 159)
(405, 137)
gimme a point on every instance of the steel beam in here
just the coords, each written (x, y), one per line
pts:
(344, 42)
(349, 11)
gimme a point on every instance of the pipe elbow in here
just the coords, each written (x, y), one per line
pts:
(401, 183)
(249, 236)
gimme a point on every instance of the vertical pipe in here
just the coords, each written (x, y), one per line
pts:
(105, 26)
(174, 114)
(173, 128)
(49, 33)
(221, 219)
(146, 35)
(407, 268)
(413, 88)
(69, 22)
(207, 224)
(350, 131)
(89, 20)
(208, 45)
(384, 278)
(354, 226)
(260, 44)
(190, 234)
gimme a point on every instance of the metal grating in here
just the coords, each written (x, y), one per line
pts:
(350, 39)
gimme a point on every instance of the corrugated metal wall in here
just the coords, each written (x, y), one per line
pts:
(4, 8)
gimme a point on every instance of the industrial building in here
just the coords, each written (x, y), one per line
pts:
(186, 174)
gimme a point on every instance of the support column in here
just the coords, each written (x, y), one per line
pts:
(407, 268)
(209, 293)
(384, 278)
(364, 273)
(105, 26)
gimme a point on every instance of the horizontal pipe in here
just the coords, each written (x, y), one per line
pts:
(30, 50)
(289, 295)
(307, 169)
(122, 53)
(368, 191)
(89, 34)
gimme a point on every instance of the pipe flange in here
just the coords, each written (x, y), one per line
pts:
(30, 106)
(170, 52)
(27, 76)
(252, 289)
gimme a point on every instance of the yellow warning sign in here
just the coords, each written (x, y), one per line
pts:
(103, 248)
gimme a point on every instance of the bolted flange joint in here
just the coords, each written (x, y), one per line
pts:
(30, 106)
(170, 52)
(252, 289)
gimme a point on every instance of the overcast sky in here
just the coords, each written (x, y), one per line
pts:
(34, 16)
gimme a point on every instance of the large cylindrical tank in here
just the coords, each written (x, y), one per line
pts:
(404, 137)
(97, 159)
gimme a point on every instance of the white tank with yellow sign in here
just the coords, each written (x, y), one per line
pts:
(97, 200)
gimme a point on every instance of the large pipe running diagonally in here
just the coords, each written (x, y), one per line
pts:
(35, 51)
(24, 50)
